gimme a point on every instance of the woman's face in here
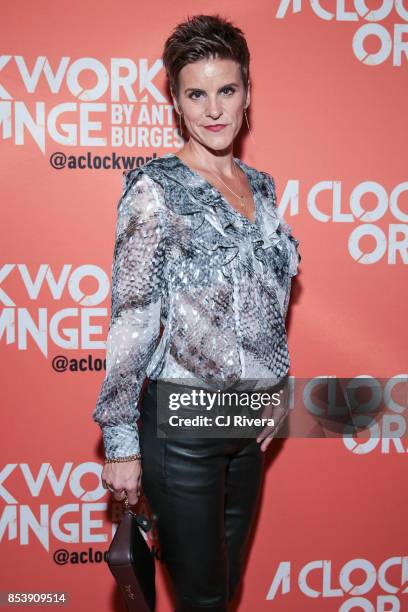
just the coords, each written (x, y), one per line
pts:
(211, 92)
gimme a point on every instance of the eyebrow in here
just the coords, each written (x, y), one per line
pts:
(198, 88)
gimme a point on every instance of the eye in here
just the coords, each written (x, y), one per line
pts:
(228, 87)
(192, 94)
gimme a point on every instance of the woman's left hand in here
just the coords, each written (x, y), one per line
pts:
(266, 435)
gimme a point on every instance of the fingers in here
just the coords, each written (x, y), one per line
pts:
(265, 437)
(107, 486)
(121, 494)
(266, 443)
(122, 479)
(267, 434)
(133, 497)
(118, 494)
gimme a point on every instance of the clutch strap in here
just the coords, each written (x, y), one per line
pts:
(141, 519)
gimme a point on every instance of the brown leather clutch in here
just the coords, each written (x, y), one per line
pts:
(131, 561)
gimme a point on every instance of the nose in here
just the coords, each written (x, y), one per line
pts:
(214, 109)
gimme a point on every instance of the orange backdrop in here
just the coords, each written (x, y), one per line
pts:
(329, 117)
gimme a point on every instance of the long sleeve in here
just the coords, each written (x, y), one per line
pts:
(136, 295)
(294, 260)
(293, 244)
(287, 256)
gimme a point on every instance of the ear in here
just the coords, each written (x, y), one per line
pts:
(248, 96)
(175, 103)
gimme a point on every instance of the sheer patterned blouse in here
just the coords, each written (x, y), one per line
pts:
(199, 292)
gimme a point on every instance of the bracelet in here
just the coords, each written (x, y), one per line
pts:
(120, 459)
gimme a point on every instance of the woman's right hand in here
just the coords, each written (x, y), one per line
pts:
(123, 478)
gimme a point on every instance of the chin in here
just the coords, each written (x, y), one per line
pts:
(220, 143)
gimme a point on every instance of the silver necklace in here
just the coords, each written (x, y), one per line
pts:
(241, 198)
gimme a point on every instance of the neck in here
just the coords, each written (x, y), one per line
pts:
(220, 162)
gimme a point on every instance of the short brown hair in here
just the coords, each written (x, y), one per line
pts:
(203, 37)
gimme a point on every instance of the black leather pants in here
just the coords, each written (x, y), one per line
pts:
(202, 493)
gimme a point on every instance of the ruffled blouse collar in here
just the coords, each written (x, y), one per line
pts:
(188, 193)
(206, 198)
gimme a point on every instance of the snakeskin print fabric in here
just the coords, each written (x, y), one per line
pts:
(198, 291)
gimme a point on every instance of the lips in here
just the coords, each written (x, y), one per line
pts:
(215, 128)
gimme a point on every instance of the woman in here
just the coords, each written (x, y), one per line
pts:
(200, 249)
